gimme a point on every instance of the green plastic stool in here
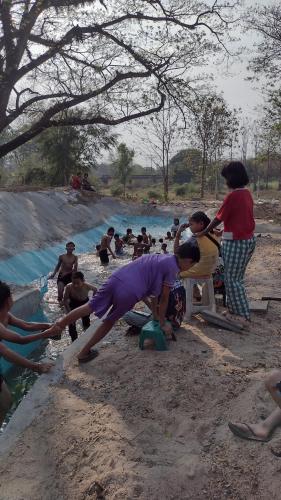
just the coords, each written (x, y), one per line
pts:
(153, 331)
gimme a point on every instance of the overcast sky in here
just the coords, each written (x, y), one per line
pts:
(229, 78)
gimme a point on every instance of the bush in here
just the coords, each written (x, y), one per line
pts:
(116, 190)
(181, 191)
(153, 194)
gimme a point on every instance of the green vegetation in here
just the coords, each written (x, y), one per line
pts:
(123, 165)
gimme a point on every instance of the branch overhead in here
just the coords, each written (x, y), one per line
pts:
(104, 60)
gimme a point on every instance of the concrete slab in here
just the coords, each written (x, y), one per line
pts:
(272, 296)
(221, 321)
(26, 303)
(259, 306)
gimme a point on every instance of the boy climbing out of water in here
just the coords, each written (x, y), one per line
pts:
(6, 320)
(149, 278)
(67, 264)
(105, 246)
(75, 295)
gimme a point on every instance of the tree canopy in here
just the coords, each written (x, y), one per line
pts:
(107, 61)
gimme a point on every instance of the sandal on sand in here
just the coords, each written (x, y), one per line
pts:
(93, 353)
(248, 433)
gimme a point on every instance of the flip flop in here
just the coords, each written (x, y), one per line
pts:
(248, 434)
(93, 353)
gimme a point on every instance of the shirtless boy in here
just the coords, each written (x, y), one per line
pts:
(146, 239)
(129, 236)
(67, 264)
(140, 245)
(105, 246)
(76, 294)
(119, 245)
(7, 319)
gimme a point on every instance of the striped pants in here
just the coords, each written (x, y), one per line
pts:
(236, 255)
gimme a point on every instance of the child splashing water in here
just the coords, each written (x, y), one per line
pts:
(149, 278)
(239, 242)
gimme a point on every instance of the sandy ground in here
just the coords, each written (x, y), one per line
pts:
(153, 425)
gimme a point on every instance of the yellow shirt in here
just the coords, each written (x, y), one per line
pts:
(209, 254)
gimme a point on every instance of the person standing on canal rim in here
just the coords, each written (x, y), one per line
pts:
(105, 246)
(76, 294)
(7, 319)
(149, 278)
(238, 242)
(67, 264)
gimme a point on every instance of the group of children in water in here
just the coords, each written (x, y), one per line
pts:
(142, 243)
(150, 278)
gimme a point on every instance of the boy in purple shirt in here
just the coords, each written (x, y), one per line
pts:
(149, 278)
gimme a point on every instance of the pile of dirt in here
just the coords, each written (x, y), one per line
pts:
(268, 210)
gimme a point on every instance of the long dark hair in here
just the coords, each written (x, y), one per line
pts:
(201, 217)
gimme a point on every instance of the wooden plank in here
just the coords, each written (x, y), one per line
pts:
(259, 306)
(221, 321)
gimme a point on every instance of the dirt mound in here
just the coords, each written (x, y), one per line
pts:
(268, 210)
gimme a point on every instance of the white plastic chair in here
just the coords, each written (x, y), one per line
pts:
(208, 302)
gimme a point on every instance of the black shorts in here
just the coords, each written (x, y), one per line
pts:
(67, 278)
(104, 256)
(73, 303)
(1, 382)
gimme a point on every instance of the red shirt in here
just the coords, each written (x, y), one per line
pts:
(237, 214)
(75, 182)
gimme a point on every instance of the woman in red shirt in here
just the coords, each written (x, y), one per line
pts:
(239, 242)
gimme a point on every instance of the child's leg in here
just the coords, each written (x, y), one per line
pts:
(5, 401)
(86, 322)
(72, 331)
(99, 334)
(236, 256)
(60, 285)
(266, 427)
